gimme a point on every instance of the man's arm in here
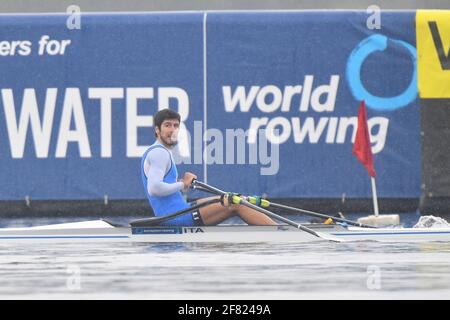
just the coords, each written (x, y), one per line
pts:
(158, 162)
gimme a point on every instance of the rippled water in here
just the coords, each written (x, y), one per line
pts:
(320, 270)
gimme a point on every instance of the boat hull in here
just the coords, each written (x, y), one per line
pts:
(100, 231)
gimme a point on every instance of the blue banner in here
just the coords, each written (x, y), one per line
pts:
(268, 102)
(304, 73)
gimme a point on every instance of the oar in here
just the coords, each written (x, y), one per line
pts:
(266, 203)
(286, 220)
(156, 220)
(201, 186)
(238, 200)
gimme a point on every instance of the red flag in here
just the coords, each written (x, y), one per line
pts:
(361, 147)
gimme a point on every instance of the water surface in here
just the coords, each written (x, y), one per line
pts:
(320, 270)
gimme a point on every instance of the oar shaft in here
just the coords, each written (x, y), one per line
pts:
(265, 203)
(239, 200)
(316, 214)
(280, 218)
(205, 186)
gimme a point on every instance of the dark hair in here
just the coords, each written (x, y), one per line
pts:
(164, 114)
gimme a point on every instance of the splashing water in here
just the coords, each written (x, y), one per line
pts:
(431, 222)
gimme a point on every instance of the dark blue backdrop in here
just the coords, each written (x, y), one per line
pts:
(242, 49)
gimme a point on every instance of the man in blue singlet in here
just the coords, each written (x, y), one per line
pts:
(160, 179)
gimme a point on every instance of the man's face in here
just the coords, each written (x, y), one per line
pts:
(168, 133)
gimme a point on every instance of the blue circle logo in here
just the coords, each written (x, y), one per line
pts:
(353, 73)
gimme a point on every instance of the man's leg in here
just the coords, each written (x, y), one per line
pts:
(216, 213)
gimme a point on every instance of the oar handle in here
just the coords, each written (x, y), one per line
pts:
(198, 185)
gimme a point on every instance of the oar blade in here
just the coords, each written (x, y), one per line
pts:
(330, 237)
(321, 235)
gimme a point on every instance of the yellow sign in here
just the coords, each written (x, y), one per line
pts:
(433, 53)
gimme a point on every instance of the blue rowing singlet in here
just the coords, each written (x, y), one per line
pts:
(171, 203)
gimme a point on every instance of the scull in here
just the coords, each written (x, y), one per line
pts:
(102, 230)
(150, 229)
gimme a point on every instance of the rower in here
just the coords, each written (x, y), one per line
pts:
(159, 176)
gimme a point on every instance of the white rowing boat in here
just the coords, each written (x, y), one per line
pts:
(101, 230)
